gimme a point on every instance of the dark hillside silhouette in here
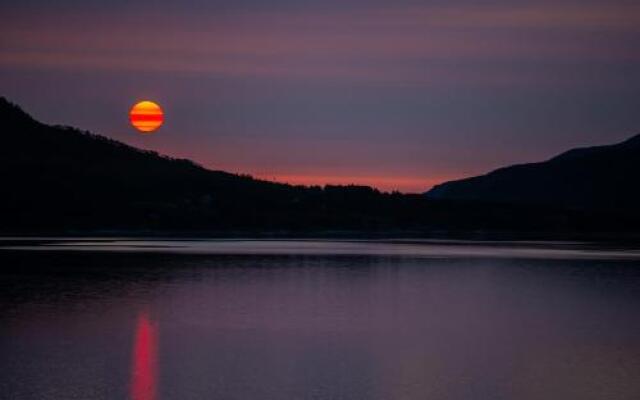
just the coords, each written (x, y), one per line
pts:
(593, 178)
(62, 180)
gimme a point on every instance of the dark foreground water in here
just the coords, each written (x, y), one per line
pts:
(318, 320)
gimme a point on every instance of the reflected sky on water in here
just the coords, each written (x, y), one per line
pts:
(165, 325)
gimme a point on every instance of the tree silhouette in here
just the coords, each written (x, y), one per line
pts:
(59, 179)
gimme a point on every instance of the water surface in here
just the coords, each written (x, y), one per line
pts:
(141, 319)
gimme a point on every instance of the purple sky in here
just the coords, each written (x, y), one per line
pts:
(396, 94)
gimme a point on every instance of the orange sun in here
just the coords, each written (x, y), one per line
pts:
(146, 116)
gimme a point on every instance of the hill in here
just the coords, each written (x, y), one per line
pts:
(594, 178)
(61, 180)
(58, 177)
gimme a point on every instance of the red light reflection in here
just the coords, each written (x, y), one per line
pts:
(145, 360)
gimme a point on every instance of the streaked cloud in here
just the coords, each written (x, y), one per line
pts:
(421, 45)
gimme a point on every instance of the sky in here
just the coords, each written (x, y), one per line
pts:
(400, 95)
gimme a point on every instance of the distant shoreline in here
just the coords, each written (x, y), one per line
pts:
(501, 236)
(406, 248)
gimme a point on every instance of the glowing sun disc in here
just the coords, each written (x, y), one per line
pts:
(146, 116)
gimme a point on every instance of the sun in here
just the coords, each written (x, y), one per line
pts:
(146, 116)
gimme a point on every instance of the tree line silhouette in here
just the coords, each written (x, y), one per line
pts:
(58, 179)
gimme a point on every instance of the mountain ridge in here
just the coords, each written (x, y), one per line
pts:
(62, 180)
(593, 177)
(59, 176)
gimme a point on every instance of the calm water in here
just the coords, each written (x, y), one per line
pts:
(151, 320)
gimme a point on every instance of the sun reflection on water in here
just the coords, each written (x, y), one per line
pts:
(145, 360)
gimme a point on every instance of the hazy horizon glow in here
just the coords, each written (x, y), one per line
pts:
(398, 95)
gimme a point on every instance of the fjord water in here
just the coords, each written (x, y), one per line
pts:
(318, 320)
